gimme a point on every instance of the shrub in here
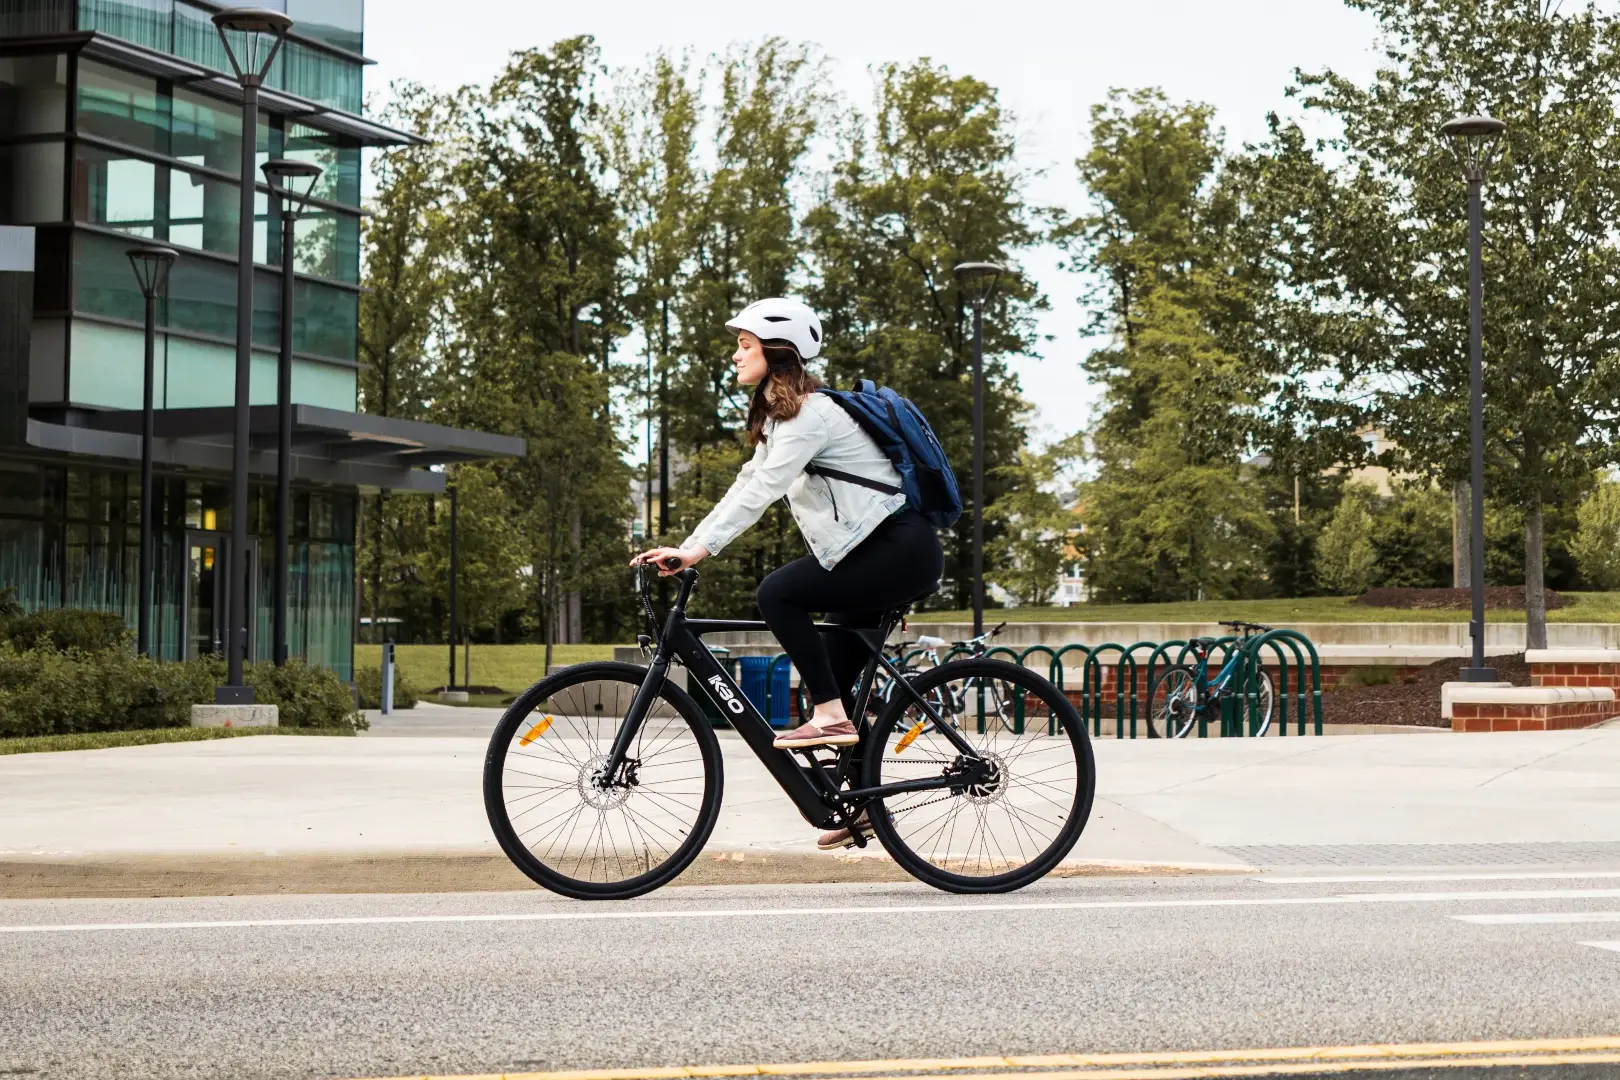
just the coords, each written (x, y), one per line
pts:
(308, 697)
(66, 628)
(1345, 559)
(49, 691)
(369, 682)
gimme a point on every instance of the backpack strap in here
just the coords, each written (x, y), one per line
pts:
(850, 478)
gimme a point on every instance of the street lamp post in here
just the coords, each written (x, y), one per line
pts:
(455, 572)
(291, 182)
(1474, 139)
(261, 34)
(979, 279)
(152, 265)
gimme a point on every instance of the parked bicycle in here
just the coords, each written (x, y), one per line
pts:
(1184, 694)
(904, 654)
(604, 780)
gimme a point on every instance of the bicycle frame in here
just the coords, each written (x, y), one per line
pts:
(816, 794)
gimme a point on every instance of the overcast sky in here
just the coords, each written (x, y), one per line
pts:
(1051, 61)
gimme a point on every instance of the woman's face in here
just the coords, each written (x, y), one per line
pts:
(752, 367)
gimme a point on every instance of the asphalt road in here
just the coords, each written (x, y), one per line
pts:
(364, 986)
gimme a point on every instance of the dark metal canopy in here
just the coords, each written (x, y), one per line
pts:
(329, 445)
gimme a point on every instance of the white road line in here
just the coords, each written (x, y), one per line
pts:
(1612, 946)
(776, 913)
(1526, 918)
(1358, 879)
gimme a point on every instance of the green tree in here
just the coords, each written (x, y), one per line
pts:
(927, 180)
(1173, 513)
(1036, 529)
(535, 295)
(1385, 244)
(1346, 560)
(1597, 538)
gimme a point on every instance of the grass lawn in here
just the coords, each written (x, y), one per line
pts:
(510, 667)
(106, 740)
(1582, 607)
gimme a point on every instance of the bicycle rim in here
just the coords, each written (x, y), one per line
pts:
(1172, 709)
(991, 836)
(556, 819)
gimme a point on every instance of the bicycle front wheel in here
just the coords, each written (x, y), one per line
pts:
(1007, 829)
(573, 829)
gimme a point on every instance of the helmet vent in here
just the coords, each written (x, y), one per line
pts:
(777, 318)
(814, 336)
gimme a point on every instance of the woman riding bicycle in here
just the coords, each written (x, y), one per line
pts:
(868, 550)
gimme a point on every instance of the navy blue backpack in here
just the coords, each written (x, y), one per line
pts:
(901, 430)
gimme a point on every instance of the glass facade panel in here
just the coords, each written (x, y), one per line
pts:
(82, 551)
(145, 22)
(325, 320)
(340, 23)
(339, 159)
(118, 192)
(207, 132)
(19, 17)
(201, 299)
(33, 95)
(326, 244)
(319, 76)
(31, 178)
(108, 366)
(122, 106)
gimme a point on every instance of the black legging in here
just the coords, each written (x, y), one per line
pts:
(900, 561)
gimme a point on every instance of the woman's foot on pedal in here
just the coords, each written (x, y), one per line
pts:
(811, 735)
(840, 838)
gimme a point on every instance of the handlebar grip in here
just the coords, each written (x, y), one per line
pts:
(673, 562)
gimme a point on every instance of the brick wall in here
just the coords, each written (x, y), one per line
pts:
(1517, 716)
(1560, 674)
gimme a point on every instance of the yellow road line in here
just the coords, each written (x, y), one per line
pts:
(1180, 1065)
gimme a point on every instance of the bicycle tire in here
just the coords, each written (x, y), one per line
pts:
(1177, 723)
(664, 819)
(1268, 706)
(1075, 744)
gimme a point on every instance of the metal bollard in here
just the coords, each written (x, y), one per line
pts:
(387, 678)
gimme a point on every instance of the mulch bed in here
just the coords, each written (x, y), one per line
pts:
(1416, 702)
(1504, 597)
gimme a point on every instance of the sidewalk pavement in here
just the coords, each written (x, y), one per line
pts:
(413, 788)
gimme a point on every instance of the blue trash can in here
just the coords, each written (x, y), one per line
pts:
(760, 672)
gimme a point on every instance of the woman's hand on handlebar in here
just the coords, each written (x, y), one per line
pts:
(668, 560)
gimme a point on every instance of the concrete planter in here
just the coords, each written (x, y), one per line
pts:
(235, 716)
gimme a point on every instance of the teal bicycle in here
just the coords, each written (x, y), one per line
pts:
(1184, 694)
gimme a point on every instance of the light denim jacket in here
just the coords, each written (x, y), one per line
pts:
(833, 515)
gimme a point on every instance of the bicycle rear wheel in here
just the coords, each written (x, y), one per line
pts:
(1003, 832)
(561, 823)
(1173, 703)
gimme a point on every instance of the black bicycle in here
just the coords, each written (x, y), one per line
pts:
(603, 781)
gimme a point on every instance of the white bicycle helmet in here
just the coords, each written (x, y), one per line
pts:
(779, 318)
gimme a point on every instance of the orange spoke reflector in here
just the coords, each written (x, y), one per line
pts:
(535, 732)
(910, 737)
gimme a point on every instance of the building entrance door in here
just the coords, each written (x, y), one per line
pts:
(208, 594)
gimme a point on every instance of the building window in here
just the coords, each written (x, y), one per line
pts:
(338, 157)
(33, 94)
(326, 244)
(145, 22)
(20, 17)
(339, 23)
(124, 107)
(325, 320)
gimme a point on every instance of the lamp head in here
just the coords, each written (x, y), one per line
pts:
(1473, 139)
(292, 182)
(978, 279)
(152, 264)
(261, 33)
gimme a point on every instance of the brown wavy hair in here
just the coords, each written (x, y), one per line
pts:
(782, 391)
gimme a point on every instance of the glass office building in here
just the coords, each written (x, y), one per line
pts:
(118, 124)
